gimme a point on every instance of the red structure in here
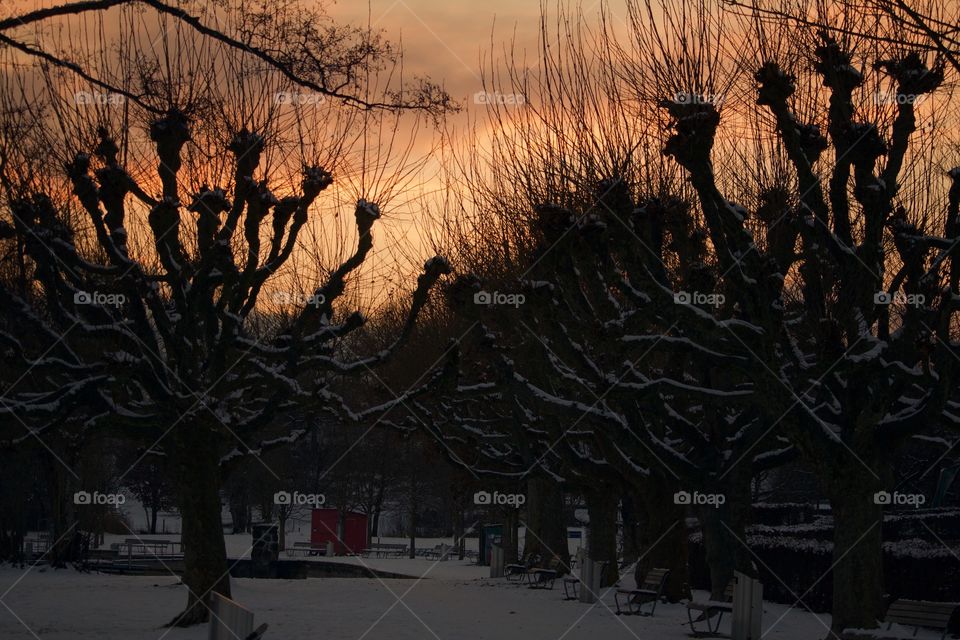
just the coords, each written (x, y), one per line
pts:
(326, 525)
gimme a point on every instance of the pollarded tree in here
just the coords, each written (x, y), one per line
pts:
(839, 277)
(846, 298)
(181, 199)
(599, 383)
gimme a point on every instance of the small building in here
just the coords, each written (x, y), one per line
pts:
(348, 535)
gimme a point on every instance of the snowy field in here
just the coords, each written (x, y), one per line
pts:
(450, 600)
(64, 604)
(442, 600)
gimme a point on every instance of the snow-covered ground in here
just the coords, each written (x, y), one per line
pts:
(449, 600)
(441, 600)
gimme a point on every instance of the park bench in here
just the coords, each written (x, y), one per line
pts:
(158, 549)
(135, 549)
(152, 547)
(519, 570)
(101, 558)
(544, 577)
(231, 621)
(710, 608)
(384, 550)
(307, 549)
(912, 613)
(571, 583)
(441, 552)
(650, 589)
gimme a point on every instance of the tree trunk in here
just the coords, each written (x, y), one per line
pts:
(153, 519)
(546, 528)
(511, 537)
(602, 541)
(282, 529)
(377, 510)
(197, 478)
(459, 531)
(238, 509)
(413, 531)
(724, 532)
(631, 529)
(857, 550)
(663, 535)
(64, 516)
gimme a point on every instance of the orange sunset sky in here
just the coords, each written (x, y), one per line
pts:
(452, 42)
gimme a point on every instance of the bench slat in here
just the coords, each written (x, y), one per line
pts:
(923, 609)
(920, 613)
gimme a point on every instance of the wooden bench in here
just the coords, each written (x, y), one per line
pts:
(134, 549)
(711, 608)
(912, 613)
(231, 621)
(384, 550)
(571, 583)
(150, 547)
(519, 571)
(441, 552)
(544, 577)
(307, 549)
(650, 589)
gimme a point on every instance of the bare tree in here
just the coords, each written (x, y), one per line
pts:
(184, 199)
(799, 296)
